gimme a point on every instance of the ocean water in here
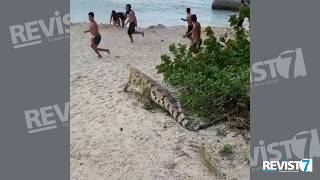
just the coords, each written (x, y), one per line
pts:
(151, 12)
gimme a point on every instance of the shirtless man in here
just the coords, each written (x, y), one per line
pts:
(133, 22)
(188, 19)
(195, 33)
(243, 4)
(96, 37)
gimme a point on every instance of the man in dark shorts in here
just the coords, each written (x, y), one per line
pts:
(196, 40)
(96, 37)
(133, 22)
(188, 19)
(118, 18)
(243, 4)
(241, 19)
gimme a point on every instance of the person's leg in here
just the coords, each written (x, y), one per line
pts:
(95, 48)
(131, 39)
(189, 30)
(98, 40)
(240, 22)
(123, 20)
(130, 32)
(105, 50)
(118, 22)
(200, 43)
(139, 32)
(192, 46)
(195, 46)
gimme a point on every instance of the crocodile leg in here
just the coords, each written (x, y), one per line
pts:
(125, 89)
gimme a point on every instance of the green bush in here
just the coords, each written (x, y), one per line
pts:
(214, 80)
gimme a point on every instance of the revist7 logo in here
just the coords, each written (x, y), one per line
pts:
(289, 64)
(31, 33)
(46, 118)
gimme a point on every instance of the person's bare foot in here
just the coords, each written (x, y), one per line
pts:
(105, 50)
(99, 56)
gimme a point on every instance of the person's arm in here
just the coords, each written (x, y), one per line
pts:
(188, 34)
(86, 31)
(110, 18)
(183, 19)
(129, 17)
(123, 21)
(135, 21)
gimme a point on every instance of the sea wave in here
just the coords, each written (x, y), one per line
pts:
(151, 12)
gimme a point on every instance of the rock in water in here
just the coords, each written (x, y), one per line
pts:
(226, 4)
(159, 26)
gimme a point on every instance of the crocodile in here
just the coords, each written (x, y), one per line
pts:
(154, 93)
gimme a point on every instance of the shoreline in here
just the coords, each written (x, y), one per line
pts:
(148, 26)
(219, 31)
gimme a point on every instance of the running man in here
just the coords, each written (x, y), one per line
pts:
(188, 19)
(241, 19)
(118, 18)
(132, 20)
(96, 37)
(195, 33)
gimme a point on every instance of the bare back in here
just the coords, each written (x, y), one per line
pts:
(196, 32)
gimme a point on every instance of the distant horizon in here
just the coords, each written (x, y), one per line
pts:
(165, 12)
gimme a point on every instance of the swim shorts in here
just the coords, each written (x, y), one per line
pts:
(97, 39)
(131, 29)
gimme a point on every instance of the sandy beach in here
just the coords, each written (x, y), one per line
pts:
(112, 137)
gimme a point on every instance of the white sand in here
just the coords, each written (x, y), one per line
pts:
(145, 149)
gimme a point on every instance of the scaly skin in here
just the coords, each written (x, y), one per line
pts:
(150, 89)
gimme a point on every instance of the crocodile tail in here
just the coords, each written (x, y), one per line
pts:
(188, 123)
(194, 125)
(205, 125)
(168, 101)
